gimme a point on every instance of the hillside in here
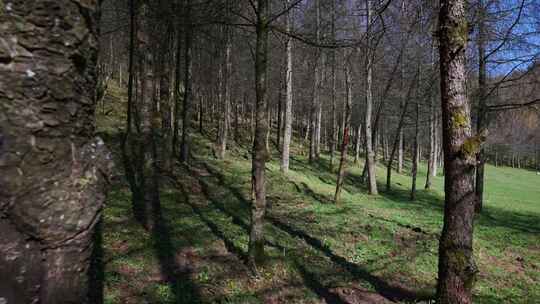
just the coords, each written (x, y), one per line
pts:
(369, 249)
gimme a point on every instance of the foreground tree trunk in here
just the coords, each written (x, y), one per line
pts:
(51, 201)
(457, 270)
(287, 130)
(260, 154)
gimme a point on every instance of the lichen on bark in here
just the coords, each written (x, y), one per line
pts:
(460, 33)
(460, 119)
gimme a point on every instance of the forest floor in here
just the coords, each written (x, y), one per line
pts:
(368, 249)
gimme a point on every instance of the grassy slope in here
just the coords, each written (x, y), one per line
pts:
(386, 244)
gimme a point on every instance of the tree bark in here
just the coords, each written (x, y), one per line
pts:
(482, 108)
(345, 143)
(224, 130)
(188, 96)
(357, 142)
(164, 99)
(400, 152)
(51, 200)
(287, 132)
(176, 110)
(370, 154)
(333, 130)
(432, 145)
(315, 135)
(416, 151)
(260, 156)
(432, 160)
(457, 269)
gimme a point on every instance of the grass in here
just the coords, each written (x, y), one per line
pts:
(368, 247)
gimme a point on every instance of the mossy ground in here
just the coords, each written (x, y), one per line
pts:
(368, 247)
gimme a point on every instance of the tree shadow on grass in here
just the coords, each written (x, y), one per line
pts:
(390, 292)
(314, 284)
(384, 288)
(97, 267)
(306, 190)
(319, 168)
(498, 217)
(238, 215)
(231, 247)
(179, 280)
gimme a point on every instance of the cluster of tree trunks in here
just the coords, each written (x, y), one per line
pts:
(54, 172)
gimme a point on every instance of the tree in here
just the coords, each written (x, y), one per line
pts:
(287, 130)
(333, 125)
(457, 270)
(188, 84)
(260, 153)
(224, 129)
(416, 148)
(370, 153)
(345, 137)
(316, 112)
(398, 138)
(51, 202)
(432, 160)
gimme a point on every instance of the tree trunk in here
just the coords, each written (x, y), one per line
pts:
(188, 96)
(279, 116)
(398, 138)
(315, 135)
(164, 98)
(345, 143)
(437, 147)
(358, 140)
(536, 159)
(333, 130)
(201, 113)
(47, 101)
(457, 269)
(416, 151)
(224, 130)
(176, 110)
(432, 161)
(400, 152)
(236, 133)
(481, 123)
(287, 132)
(260, 153)
(370, 154)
